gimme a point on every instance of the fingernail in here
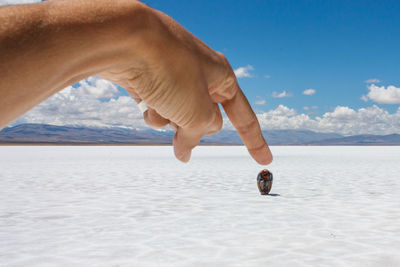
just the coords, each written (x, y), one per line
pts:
(142, 106)
(262, 156)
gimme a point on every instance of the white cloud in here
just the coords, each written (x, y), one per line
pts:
(343, 120)
(244, 72)
(309, 91)
(85, 106)
(281, 95)
(364, 98)
(260, 102)
(282, 110)
(282, 118)
(14, 2)
(382, 95)
(97, 87)
(373, 80)
(306, 108)
(267, 76)
(371, 120)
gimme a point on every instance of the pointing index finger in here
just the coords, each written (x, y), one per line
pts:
(245, 121)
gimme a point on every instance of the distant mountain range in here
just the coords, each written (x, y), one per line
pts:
(51, 134)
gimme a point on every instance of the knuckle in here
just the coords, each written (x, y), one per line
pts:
(226, 88)
(213, 123)
(226, 64)
(229, 86)
(247, 128)
(221, 56)
(153, 121)
(202, 121)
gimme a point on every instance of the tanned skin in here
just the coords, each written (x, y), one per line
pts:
(47, 46)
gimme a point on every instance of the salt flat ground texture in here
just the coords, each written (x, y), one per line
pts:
(138, 206)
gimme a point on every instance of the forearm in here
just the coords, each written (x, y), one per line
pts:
(47, 46)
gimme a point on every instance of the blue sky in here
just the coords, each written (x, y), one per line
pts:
(331, 46)
(343, 54)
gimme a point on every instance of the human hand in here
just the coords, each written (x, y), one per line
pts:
(182, 81)
(180, 78)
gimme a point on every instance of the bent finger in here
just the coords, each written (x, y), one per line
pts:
(245, 121)
(184, 141)
(216, 125)
(153, 119)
